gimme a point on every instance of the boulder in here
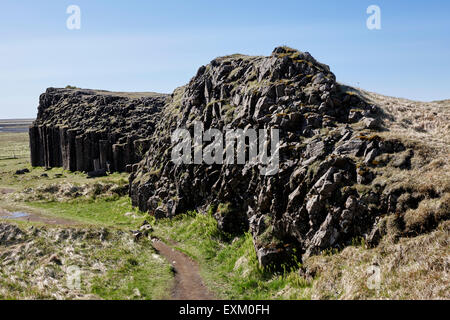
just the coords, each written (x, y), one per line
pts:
(97, 173)
(22, 171)
(371, 123)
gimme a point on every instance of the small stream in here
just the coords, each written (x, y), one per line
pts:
(14, 215)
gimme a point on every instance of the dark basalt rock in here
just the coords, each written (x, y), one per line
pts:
(92, 130)
(328, 147)
(22, 171)
(97, 173)
(311, 204)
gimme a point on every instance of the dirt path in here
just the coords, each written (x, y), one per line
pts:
(188, 282)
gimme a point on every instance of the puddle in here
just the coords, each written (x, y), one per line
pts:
(15, 215)
(33, 217)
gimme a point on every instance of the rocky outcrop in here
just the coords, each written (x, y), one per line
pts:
(90, 130)
(329, 188)
(328, 147)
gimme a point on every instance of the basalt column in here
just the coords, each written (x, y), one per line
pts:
(36, 147)
(79, 149)
(105, 154)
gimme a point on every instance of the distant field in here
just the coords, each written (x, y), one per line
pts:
(13, 145)
(15, 125)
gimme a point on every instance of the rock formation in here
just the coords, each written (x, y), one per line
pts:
(328, 189)
(311, 204)
(87, 130)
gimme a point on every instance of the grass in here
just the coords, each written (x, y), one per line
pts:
(93, 208)
(13, 145)
(106, 212)
(412, 268)
(14, 151)
(139, 274)
(113, 269)
(407, 119)
(129, 270)
(428, 214)
(18, 144)
(57, 176)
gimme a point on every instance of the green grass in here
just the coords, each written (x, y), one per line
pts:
(14, 146)
(229, 266)
(15, 155)
(107, 212)
(9, 179)
(137, 275)
(104, 211)
(132, 271)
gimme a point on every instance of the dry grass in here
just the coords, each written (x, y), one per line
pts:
(413, 268)
(423, 127)
(415, 120)
(131, 95)
(14, 146)
(428, 213)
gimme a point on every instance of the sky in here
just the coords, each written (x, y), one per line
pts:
(159, 45)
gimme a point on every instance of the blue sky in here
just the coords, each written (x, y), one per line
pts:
(159, 45)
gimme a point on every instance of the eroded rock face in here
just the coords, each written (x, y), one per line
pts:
(311, 204)
(87, 130)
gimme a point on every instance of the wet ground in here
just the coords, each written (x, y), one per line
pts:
(30, 216)
(34, 217)
(15, 215)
